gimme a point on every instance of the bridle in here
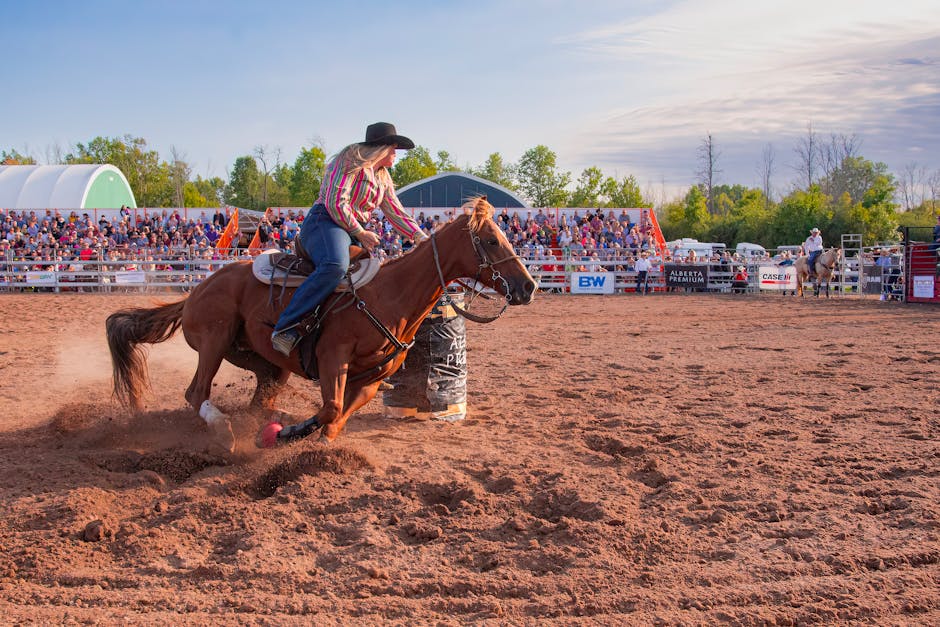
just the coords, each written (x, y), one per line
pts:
(485, 264)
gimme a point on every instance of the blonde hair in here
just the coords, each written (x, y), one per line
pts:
(355, 157)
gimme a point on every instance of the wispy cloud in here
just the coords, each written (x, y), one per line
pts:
(750, 75)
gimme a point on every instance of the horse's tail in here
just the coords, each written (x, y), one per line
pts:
(127, 329)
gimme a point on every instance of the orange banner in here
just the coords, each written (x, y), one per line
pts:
(657, 232)
(230, 233)
(254, 247)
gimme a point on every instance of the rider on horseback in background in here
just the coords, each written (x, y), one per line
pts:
(355, 182)
(812, 248)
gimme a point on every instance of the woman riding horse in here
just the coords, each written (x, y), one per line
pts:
(229, 316)
(356, 181)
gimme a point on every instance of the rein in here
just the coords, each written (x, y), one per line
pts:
(485, 263)
(400, 347)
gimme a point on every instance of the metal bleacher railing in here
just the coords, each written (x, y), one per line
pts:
(181, 270)
(143, 270)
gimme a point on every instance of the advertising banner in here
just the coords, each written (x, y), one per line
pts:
(923, 286)
(592, 282)
(127, 277)
(776, 277)
(40, 278)
(686, 275)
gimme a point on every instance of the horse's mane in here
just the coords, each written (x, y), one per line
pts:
(479, 209)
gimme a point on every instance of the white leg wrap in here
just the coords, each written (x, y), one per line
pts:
(209, 412)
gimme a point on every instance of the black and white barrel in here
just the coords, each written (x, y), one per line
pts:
(432, 383)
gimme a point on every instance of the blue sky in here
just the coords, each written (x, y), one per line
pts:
(630, 87)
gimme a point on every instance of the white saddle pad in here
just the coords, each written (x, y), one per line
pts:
(362, 271)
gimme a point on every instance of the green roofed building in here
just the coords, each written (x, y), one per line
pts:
(84, 186)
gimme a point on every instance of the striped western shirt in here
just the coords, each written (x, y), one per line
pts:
(350, 198)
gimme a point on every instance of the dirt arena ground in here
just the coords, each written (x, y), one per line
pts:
(669, 459)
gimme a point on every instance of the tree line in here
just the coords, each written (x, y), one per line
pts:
(835, 188)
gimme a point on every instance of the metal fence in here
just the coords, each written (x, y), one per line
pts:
(181, 270)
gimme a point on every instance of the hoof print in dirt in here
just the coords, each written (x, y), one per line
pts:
(333, 460)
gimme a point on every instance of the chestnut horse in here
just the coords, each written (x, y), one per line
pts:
(825, 268)
(230, 316)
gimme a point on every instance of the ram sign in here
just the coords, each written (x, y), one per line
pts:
(592, 283)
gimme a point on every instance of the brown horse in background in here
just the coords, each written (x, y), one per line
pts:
(230, 316)
(825, 267)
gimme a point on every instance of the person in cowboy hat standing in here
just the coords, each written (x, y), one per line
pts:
(812, 247)
(355, 182)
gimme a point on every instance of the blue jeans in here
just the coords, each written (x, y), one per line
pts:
(811, 262)
(327, 244)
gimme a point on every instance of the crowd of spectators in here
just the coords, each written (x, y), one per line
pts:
(591, 240)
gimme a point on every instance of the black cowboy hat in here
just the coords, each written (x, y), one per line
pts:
(383, 133)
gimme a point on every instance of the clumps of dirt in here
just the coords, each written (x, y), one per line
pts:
(554, 504)
(75, 417)
(333, 460)
(96, 531)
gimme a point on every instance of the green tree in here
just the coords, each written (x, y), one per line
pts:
(624, 192)
(13, 157)
(746, 219)
(244, 185)
(212, 190)
(279, 186)
(686, 218)
(192, 197)
(539, 179)
(445, 163)
(695, 215)
(179, 172)
(414, 166)
(589, 189)
(149, 178)
(797, 213)
(496, 170)
(923, 215)
(307, 175)
(876, 216)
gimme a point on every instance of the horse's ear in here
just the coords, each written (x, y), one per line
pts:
(483, 197)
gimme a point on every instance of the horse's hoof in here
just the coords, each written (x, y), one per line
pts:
(222, 436)
(267, 437)
(275, 434)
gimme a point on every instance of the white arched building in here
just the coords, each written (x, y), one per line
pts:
(83, 186)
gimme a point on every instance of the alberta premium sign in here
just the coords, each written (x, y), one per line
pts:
(686, 275)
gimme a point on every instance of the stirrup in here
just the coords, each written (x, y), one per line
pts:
(286, 340)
